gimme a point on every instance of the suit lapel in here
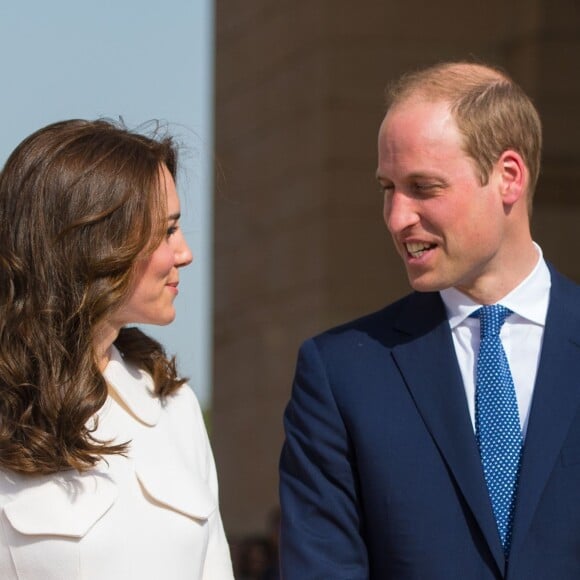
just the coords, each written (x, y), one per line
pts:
(429, 366)
(555, 402)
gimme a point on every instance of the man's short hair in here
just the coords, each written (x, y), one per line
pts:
(491, 111)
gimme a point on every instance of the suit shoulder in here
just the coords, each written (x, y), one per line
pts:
(562, 282)
(384, 323)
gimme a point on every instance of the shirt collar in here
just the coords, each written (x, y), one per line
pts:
(529, 299)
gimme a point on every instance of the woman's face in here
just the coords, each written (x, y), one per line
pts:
(157, 275)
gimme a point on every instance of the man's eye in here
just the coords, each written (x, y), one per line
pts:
(424, 187)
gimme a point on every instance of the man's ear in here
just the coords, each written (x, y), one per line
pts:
(513, 175)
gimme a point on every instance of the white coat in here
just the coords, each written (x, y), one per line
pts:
(153, 514)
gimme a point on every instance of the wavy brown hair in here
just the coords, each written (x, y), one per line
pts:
(80, 202)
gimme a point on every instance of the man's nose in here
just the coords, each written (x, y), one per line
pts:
(399, 212)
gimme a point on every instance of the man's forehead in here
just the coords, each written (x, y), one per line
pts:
(417, 121)
(418, 138)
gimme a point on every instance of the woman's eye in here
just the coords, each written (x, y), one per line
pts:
(171, 230)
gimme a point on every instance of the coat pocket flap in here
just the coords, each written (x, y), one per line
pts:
(177, 488)
(64, 505)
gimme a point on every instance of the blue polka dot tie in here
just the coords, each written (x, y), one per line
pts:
(497, 424)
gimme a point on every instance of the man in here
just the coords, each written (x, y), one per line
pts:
(414, 448)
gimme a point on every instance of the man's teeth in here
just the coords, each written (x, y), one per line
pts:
(417, 249)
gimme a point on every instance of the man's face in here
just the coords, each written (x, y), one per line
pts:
(447, 227)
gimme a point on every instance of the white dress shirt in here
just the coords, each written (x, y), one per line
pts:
(521, 335)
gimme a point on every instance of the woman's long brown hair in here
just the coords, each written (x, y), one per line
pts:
(80, 201)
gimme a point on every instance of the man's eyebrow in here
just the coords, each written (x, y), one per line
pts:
(414, 175)
(422, 175)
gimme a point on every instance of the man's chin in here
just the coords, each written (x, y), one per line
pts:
(425, 283)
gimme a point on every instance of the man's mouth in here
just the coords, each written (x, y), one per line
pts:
(417, 249)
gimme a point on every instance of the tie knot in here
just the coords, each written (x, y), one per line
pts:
(491, 318)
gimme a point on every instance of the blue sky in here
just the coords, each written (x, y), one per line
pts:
(139, 60)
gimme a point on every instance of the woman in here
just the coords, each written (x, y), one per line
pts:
(105, 467)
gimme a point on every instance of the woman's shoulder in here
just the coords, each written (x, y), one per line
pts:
(183, 400)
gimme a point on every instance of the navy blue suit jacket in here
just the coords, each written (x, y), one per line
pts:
(380, 472)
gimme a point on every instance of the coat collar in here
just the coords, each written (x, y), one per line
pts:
(134, 387)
